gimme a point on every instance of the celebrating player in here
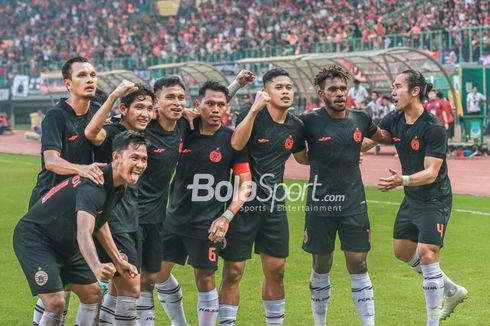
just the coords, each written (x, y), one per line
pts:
(270, 135)
(53, 241)
(421, 222)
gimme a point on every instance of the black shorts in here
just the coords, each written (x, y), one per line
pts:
(270, 232)
(424, 223)
(450, 130)
(200, 254)
(150, 246)
(320, 232)
(126, 243)
(46, 270)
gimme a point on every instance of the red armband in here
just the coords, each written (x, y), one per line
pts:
(241, 168)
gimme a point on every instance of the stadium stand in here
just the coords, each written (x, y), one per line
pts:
(37, 35)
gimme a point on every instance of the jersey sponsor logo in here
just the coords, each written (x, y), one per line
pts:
(357, 135)
(41, 277)
(288, 143)
(215, 156)
(395, 139)
(72, 138)
(324, 138)
(440, 229)
(185, 151)
(54, 190)
(263, 140)
(159, 150)
(415, 144)
(305, 236)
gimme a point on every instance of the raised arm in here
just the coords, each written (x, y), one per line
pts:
(243, 130)
(243, 78)
(94, 131)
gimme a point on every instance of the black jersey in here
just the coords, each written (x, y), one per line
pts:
(63, 131)
(56, 211)
(269, 147)
(426, 137)
(334, 147)
(124, 217)
(205, 162)
(163, 154)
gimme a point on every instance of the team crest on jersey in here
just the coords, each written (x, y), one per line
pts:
(357, 135)
(215, 156)
(415, 144)
(288, 143)
(305, 236)
(41, 277)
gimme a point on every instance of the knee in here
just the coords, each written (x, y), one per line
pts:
(147, 282)
(205, 280)
(128, 287)
(55, 304)
(93, 294)
(232, 275)
(428, 254)
(275, 274)
(322, 264)
(358, 266)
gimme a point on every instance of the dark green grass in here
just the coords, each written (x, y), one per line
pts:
(398, 292)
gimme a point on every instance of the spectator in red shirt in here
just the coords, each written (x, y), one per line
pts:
(448, 110)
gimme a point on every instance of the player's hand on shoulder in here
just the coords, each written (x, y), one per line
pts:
(190, 115)
(104, 271)
(261, 100)
(92, 172)
(218, 229)
(245, 77)
(125, 88)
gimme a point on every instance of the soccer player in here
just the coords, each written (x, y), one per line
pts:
(65, 150)
(196, 220)
(270, 134)
(119, 305)
(53, 241)
(336, 201)
(421, 222)
(166, 135)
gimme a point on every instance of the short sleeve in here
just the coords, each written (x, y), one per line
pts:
(371, 126)
(299, 142)
(90, 198)
(436, 140)
(387, 122)
(53, 129)
(240, 156)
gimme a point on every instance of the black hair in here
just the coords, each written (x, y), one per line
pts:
(439, 94)
(143, 90)
(273, 73)
(357, 81)
(376, 92)
(416, 79)
(168, 81)
(214, 86)
(332, 71)
(126, 138)
(66, 69)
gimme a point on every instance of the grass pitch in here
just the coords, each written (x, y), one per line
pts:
(398, 290)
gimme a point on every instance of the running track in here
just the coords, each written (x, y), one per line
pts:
(468, 176)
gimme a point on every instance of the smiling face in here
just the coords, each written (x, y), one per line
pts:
(83, 80)
(403, 97)
(171, 102)
(280, 90)
(334, 93)
(139, 113)
(212, 107)
(130, 163)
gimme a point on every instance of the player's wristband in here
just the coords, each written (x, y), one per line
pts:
(234, 88)
(228, 214)
(405, 180)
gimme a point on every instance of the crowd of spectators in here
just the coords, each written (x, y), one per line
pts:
(37, 31)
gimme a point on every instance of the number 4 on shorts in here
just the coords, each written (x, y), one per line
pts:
(212, 254)
(440, 229)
